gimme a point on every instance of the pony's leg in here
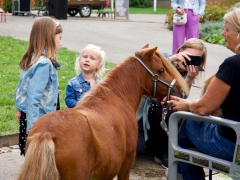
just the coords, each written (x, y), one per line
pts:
(76, 170)
(124, 173)
(74, 163)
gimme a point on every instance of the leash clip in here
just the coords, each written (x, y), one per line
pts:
(163, 122)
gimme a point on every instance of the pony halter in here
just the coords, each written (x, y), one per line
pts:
(156, 79)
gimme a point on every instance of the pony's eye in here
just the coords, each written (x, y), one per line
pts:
(160, 71)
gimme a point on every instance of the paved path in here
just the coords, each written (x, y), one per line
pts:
(11, 161)
(119, 38)
(144, 168)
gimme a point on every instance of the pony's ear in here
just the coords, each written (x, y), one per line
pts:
(146, 46)
(146, 53)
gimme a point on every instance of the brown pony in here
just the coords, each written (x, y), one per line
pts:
(97, 139)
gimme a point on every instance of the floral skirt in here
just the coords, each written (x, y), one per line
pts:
(23, 130)
(22, 133)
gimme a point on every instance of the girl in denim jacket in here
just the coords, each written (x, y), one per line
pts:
(37, 91)
(89, 67)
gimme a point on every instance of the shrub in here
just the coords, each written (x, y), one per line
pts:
(169, 18)
(38, 3)
(215, 38)
(212, 32)
(221, 3)
(7, 6)
(140, 3)
(214, 13)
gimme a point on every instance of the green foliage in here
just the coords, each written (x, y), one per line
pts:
(38, 3)
(221, 3)
(7, 6)
(12, 51)
(140, 3)
(160, 10)
(212, 32)
(214, 13)
(169, 18)
(215, 39)
(9, 124)
(133, 10)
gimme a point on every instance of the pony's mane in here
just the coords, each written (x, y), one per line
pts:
(174, 73)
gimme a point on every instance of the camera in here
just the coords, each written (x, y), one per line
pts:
(196, 61)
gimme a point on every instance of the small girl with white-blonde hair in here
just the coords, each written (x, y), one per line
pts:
(90, 68)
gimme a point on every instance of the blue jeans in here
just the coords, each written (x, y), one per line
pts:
(207, 139)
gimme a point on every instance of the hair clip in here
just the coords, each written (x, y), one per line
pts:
(56, 22)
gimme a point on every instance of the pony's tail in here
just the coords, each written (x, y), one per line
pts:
(40, 161)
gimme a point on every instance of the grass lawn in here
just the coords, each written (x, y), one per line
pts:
(12, 51)
(159, 10)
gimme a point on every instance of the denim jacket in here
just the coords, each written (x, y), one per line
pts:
(37, 91)
(75, 90)
(198, 6)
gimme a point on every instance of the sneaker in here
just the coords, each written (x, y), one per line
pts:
(162, 159)
(166, 173)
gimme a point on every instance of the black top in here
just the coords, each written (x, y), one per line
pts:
(229, 72)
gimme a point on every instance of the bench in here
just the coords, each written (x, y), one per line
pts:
(177, 154)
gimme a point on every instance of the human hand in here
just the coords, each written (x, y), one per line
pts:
(192, 72)
(18, 114)
(180, 58)
(199, 17)
(177, 104)
(180, 11)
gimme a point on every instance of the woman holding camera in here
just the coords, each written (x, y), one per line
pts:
(157, 143)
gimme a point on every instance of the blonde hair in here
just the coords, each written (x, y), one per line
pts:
(195, 43)
(233, 19)
(42, 38)
(102, 56)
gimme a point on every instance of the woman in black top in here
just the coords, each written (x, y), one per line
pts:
(223, 92)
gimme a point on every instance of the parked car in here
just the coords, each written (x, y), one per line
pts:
(84, 7)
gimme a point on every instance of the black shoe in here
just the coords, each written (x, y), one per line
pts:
(162, 159)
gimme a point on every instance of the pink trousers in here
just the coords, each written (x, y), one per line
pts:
(188, 30)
